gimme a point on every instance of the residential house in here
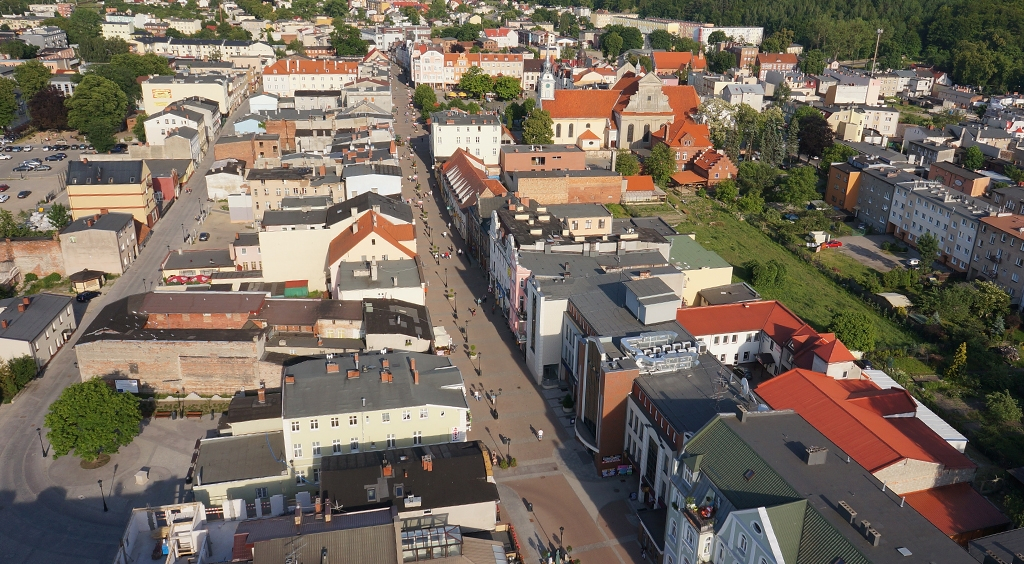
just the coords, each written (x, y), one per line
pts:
(781, 62)
(191, 263)
(749, 94)
(478, 135)
(998, 256)
(126, 187)
(371, 238)
(101, 242)
(471, 195)
(701, 268)
(385, 180)
(244, 250)
(874, 196)
(160, 124)
(928, 152)
(959, 179)
(46, 37)
(398, 279)
(227, 91)
(672, 62)
(36, 326)
(686, 139)
(395, 325)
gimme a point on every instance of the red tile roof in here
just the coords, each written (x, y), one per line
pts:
(671, 61)
(315, 66)
(397, 235)
(769, 316)
(676, 133)
(688, 177)
(874, 441)
(588, 134)
(776, 58)
(581, 104)
(639, 184)
(957, 509)
(824, 346)
(467, 178)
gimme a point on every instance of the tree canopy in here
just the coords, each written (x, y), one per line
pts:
(507, 87)
(90, 418)
(537, 128)
(32, 77)
(626, 163)
(661, 164)
(47, 109)
(8, 102)
(476, 82)
(972, 159)
(856, 330)
(97, 109)
(347, 41)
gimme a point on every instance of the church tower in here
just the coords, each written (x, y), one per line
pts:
(546, 84)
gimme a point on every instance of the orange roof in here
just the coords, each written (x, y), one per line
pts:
(707, 159)
(589, 135)
(1012, 224)
(467, 179)
(688, 177)
(639, 184)
(824, 346)
(581, 104)
(769, 316)
(871, 439)
(671, 60)
(316, 66)
(676, 133)
(957, 509)
(376, 223)
(683, 99)
(776, 58)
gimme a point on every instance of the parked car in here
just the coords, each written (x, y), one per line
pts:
(4, 198)
(41, 168)
(791, 217)
(24, 194)
(204, 236)
(4, 187)
(62, 155)
(5, 157)
(27, 148)
(53, 158)
(22, 168)
(913, 263)
(833, 244)
(86, 296)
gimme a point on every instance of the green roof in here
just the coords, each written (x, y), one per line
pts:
(689, 255)
(728, 462)
(821, 543)
(788, 525)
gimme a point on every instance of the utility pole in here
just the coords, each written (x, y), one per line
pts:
(874, 60)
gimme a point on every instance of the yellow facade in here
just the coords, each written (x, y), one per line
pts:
(137, 199)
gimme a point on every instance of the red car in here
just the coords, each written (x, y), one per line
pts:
(4, 187)
(832, 244)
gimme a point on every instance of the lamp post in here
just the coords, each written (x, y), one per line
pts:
(183, 236)
(105, 508)
(561, 536)
(455, 299)
(144, 288)
(446, 277)
(41, 447)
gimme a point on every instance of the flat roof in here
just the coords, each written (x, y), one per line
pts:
(385, 316)
(198, 259)
(245, 457)
(688, 254)
(729, 294)
(121, 320)
(353, 275)
(689, 398)
(247, 407)
(115, 221)
(553, 148)
(244, 303)
(294, 217)
(1003, 545)
(319, 392)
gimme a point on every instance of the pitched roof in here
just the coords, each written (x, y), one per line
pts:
(372, 222)
(312, 66)
(822, 345)
(871, 439)
(776, 58)
(467, 179)
(639, 183)
(671, 60)
(683, 99)
(104, 172)
(29, 322)
(676, 134)
(688, 177)
(246, 303)
(769, 316)
(957, 509)
(597, 104)
(588, 134)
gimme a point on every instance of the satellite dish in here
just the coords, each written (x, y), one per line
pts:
(744, 387)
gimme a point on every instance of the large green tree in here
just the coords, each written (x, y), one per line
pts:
(799, 186)
(97, 109)
(346, 40)
(626, 163)
(32, 77)
(476, 82)
(816, 135)
(661, 164)
(538, 128)
(8, 102)
(972, 159)
(928, 246)
(507, 87)
(856, 330)
(611, 44)
(90, 418)
(424, 97)
(59, 216)
(96, 49)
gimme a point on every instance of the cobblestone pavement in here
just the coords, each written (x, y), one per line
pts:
(556, 474)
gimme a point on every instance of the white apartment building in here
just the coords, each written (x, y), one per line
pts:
(117, 30)
(477, 134)
(952, 217)
(288, 75)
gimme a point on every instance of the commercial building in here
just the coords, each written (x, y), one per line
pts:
(36, 326)
(227, 91)
(477, 134)
(286, 76)
(102, 242)
(100, 187)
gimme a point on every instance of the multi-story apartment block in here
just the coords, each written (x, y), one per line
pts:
(953, 218)
(477, 134)
(37, 326)
(959, 179)
(49, 37)
(999, 254)
(106, 186)
(293, 73)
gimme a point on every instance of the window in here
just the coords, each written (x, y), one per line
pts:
(353, 420)
(336, 446)
(672, 530)
(295, 426)
(417, 438)
(316, 448)
(691, 537)
(742, 544)
(335, 422)
(391, 441)
(314, 424)
(558, 130)
(262, 493)
(385, 418)
(600, 224)
(296, 450)
(756, 526)
(570, 130)
(354, 444)
(316, 475)
(406, 415)
(371, 494)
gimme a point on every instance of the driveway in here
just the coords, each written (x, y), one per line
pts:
(867, 250)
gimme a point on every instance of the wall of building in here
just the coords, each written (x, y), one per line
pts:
(397, 341)
(136, 199)
(40, 256)
(280, 262)
(547, 348)
(197, 320)
(97, 250)
(909, 475)
(204, 367)
(476, 516)
(213, 495)
(699, 279)
(46, 344)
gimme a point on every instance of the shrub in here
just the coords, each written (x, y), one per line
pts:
(30, 277)
(52, 278)
(1003, 406)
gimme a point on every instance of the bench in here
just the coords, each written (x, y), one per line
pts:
(162, 414)
(194, 414)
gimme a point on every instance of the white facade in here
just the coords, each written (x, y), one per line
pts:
(383, 184)
(928, 207)
(117, 30)
(734, 348)
(749, 94)
(481, 139)
(159, 125)
(428, 68)
(543, 329)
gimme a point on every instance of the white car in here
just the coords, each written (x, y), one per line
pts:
(4, 198)
(5, 157)
(27, 148)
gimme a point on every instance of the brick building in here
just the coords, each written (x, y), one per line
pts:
(206, 310)
(714, 167)
(248, 148)
(567, 187)
(959, 179)
(514, 158)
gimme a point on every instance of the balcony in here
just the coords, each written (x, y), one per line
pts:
(996, 259)
(702, 518)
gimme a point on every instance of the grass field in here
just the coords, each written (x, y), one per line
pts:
(843, 264)
(809, 293)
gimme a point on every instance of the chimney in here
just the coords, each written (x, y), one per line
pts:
(21, 308)
(847, 512)
(332, 368)
(262, 392)
(355, 211)
(289, 379)
(815, 456)
(355, 227)
(427, 463)
(298, 517)
(352, 374)
(236, 236)
(387, 470)
(386, 377)
(644, 274)
(85, 160)
(355, 357)
(412, 363)
(4, 323)
(319, 505)
(327, 510)
(373, 271)
(415, 376)
(96, 217)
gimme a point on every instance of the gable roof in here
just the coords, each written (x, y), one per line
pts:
(776, 59)
(375, 223)
(671, 60)
(871, 439)
(105, 172)
(676, 133)
(293, 65)
(595, 104)
(639, 183)
(778, 322)
(467, 179)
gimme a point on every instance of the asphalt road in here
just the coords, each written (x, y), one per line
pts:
(41, 520)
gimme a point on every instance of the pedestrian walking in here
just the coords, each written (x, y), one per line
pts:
(472, 312)
(540, 435)
(476, 394)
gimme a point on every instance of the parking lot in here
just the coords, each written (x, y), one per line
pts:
(39, 183)
(867, 250)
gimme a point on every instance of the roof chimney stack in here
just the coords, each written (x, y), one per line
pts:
(427, 462)
(262, 392)
(355, 357)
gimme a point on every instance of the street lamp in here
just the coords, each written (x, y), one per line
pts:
(183, 232)
(41, 447)
(561, 536)
(508, 444)
(105, 508)
(455, 299)
(144, 288)
(446, 277)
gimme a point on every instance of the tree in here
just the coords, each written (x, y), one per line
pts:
(18, 49)
(96, 49)
(813, 62)
(777, 42)
(347, 41)
(296, 46)
(412, 14)
(767, 275)
(751, 202)
(854, 329)
(727, 192)
(508, 87)
(59, 216)
(1003, 407)
(957, 370)
(928, 246)
(8, 102)
(773, 147)
(661, 39)
(438, 10)
(32, 77)
(626, 163)
(538, 128)
(661, 164)
(424, 97)
(97, 109)
(783, 92)
(799, 186)
(91, 418)
(815, 135)
(47, 109)
(475, 82)
(721, 61)
(568, 53)
(989, 300)
(139, 130)
(972, 159)
(717, 36)
(793, 139)
(719, 116)
(611, 44)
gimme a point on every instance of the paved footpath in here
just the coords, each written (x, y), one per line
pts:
(556, 475)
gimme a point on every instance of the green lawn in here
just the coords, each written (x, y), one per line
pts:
(843, 264)
(808, 293)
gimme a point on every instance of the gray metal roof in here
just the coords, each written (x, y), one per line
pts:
(294, 217)
(386, 316)
(406, 271)
(210, 258)
(280, 173)
(299, 202)
(689, 398)
(29, 324)
(246, 240)
(318, 392)
(115, 221)
(368, 169)
(458, 117)
(121, 321)
(105, 172)
(648, 287)
(245, 457)
(162, 168)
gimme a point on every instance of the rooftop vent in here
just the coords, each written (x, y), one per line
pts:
(815, 456)
(849, 515)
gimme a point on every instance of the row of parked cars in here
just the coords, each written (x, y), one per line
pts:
(4, 197)
(36, 165)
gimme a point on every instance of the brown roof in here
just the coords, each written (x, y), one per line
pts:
(246, 303)
(776, 58)
(957, 509)
(376, 223)
(582, 104)
(639, 184)
(1009, 223)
